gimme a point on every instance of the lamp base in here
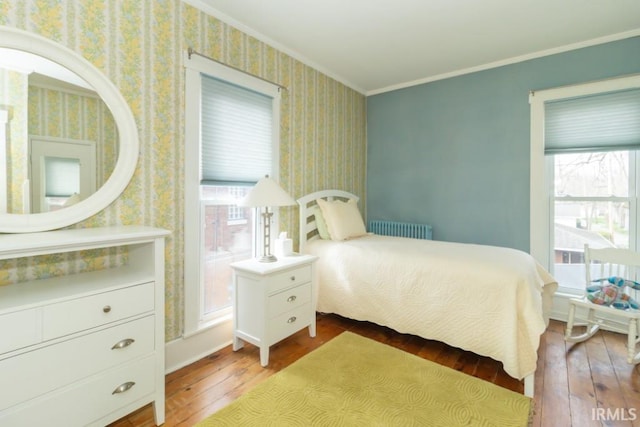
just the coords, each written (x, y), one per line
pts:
(268, 258)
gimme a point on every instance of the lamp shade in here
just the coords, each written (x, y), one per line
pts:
(267, 192)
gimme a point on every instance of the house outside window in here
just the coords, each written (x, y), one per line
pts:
(237, 214)
(225, 240)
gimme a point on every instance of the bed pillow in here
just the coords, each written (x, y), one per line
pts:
(343, 219)
(321, 224)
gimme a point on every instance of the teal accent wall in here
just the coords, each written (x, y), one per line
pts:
(455, 153)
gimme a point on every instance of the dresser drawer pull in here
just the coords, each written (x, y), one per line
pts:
(293, 278)
(292, 298)
(106, 308)
(292, 319)
(123, 343)
(123, 387)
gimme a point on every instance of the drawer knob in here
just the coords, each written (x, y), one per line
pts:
(123, 343)
(292, 298)
(291, 319)
(293, 278)
(106, 308)
(123, 387)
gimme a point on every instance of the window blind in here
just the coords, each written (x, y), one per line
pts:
(236, 133)
(602, 122)
(62, 176)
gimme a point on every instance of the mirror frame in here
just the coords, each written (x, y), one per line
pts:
(127, 135)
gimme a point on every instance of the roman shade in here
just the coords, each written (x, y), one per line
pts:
(601, 122)
(236, 133)
(62, 176)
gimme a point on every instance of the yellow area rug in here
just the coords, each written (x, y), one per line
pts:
(355, 381)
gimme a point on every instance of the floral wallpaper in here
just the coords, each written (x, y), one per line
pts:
(139, 45)
(60, 113)
(14, 89)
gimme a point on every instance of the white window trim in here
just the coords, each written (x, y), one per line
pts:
(194, 321)
(539, 197)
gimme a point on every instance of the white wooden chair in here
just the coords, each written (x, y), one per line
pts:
(605, 263)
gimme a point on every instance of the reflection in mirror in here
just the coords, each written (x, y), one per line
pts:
(58, 139)
(125, 141)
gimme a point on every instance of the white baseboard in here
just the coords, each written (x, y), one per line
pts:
(560, 309)
(184, 351)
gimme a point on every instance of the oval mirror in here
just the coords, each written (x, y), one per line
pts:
(68, 139)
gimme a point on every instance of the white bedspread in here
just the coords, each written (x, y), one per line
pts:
(484, 299)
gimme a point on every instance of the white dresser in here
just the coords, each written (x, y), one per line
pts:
(272, 301)
(88, 348)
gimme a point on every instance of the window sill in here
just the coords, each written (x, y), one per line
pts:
(569, 292)
(204, 326)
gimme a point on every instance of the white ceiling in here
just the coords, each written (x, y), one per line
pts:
(378, 45)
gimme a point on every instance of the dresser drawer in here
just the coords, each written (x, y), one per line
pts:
(289, 299)
(87, 401)
(289, 322)
(20, 329)
(40, 371)
(288, 278)
(83, 313)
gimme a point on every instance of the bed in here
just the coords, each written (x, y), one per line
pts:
(489, 300)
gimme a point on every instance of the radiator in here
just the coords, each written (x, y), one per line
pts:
(400, 229)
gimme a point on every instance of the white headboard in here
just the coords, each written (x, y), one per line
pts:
(308, 229)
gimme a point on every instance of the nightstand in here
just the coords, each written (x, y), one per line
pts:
(272, 301)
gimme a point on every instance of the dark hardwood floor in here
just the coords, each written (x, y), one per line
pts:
(587, 384)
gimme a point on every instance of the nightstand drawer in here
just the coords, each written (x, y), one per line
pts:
(289, 299)
(95, 310)
(288, 278)
(290, 322)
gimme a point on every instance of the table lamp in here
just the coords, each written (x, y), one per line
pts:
(264, 194)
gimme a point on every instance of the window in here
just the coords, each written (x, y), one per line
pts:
(584, 180)
(231, 135)
(61, 171)
(62, 180)
(223, 242)
(594, 204)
